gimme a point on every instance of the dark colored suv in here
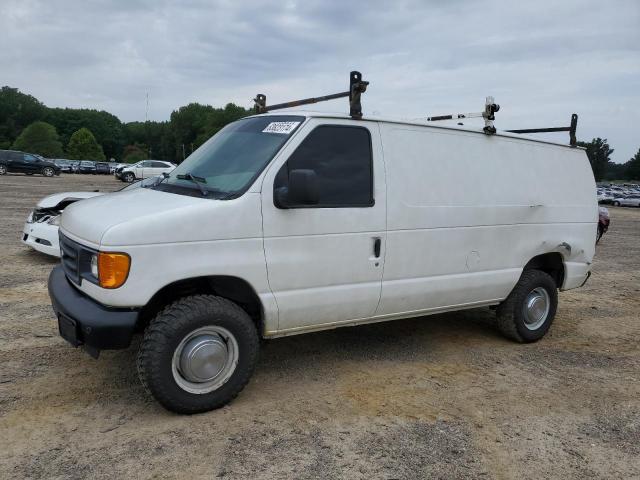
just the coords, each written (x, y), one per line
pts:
(21, 162)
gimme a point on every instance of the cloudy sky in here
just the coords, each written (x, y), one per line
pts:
(542, 60)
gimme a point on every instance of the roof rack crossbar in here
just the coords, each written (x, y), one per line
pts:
(489, 115)
(357, 87)
(571, 129)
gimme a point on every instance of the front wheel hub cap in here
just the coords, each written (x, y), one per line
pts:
(203, 358)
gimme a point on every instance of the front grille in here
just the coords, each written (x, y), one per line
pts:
(70, 254)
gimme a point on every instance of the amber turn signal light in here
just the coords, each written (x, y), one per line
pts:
(113, 269)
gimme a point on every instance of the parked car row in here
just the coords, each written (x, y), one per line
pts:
(627, 195)
(143, 169)
(13, 161)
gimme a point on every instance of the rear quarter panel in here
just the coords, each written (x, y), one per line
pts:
(467, 211)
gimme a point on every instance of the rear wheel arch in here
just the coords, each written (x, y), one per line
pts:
(235, 289)
(551, 263)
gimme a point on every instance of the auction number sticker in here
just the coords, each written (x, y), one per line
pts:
(281, 127)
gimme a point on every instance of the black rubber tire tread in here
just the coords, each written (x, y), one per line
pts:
(509, 313)
(169, 327)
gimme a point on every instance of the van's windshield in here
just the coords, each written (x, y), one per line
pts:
(227, 163)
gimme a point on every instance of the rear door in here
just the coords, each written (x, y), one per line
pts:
(158, 167)
(30, 163)
(325, 261)
(142, 169)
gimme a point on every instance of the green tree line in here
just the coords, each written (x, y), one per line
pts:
(599, 154)
(86, 134)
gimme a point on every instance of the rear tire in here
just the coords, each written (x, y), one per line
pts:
(198, 354)
(616, 204)
(3, 170)
(527, 313)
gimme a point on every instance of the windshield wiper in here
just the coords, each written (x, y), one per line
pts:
(199, 181)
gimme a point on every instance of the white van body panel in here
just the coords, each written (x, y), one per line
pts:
(466, 212)
(173, 237)
(320, 261)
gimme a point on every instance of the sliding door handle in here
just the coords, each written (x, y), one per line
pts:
(376, 247)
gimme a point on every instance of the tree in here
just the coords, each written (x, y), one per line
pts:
(154, 137)
(134, 153)
(83, 146)
(107, 128)
(598, 151)
(40, 138)
(17, 110)
(633, 167)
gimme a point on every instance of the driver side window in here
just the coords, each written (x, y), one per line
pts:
(341, 157)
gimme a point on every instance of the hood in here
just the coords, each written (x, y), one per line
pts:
(144, 216)
(53, 200)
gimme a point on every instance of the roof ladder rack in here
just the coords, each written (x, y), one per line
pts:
(571, 129)
(490, 108)
(489, 115)
(357, 87)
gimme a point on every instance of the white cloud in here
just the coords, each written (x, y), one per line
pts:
(541, 60)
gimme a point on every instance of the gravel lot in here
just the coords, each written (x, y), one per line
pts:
(435, 397)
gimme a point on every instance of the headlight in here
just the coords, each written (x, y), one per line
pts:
(54, 221)
(94, 265)
(30, 217)
(111, 269)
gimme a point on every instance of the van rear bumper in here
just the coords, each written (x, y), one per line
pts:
(576, 274)
(84, 322)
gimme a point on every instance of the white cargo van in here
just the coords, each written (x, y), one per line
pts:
(289, 223)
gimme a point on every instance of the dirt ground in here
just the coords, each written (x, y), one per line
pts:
(435, 397)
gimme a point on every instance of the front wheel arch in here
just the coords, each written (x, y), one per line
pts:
(235, 289)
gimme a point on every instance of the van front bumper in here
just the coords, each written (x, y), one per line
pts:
(84, 322)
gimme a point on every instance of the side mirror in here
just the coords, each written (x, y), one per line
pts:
(302, 190)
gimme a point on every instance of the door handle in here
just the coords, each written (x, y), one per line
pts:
(377, 243)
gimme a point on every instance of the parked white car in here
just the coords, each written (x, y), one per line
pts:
(145, 169)
(285, 224)
(627, 201)
(40, 231)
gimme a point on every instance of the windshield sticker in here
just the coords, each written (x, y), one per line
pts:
(281, 127)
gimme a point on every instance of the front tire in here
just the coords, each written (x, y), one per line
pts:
(48, 172)
(129, 177)
(3, 170)
(198, 354)
(616, 204)
(527, 313)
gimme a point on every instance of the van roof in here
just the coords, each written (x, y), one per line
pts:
(409, 121)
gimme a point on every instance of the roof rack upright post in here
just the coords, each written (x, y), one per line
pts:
(357, 87)
(571, 129)
(489, 115)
